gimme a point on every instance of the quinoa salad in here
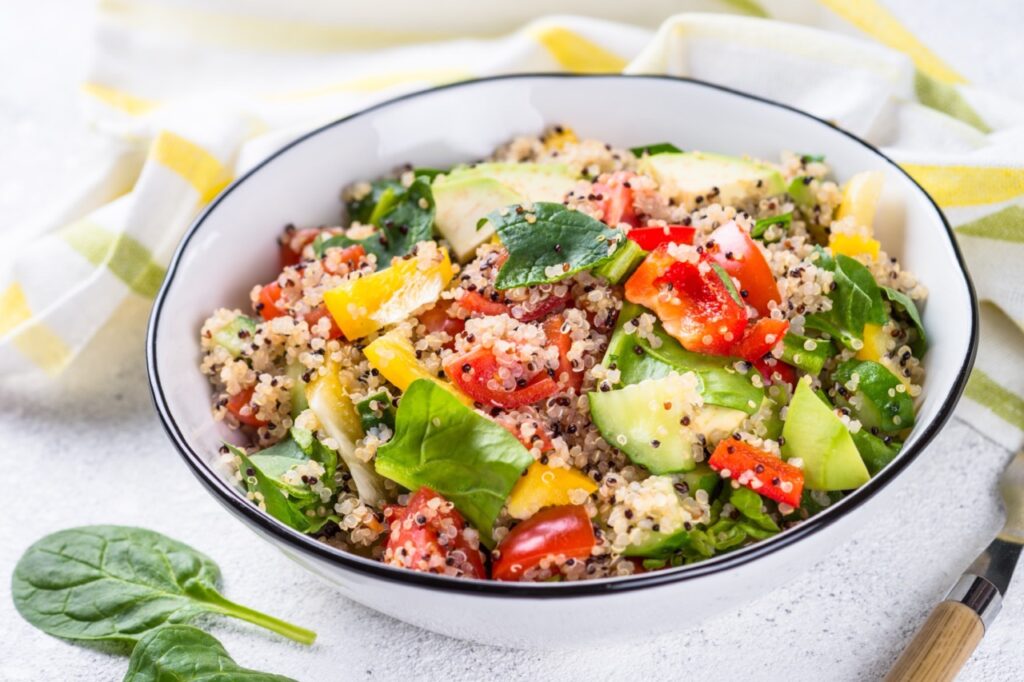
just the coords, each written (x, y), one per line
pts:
(571, 361)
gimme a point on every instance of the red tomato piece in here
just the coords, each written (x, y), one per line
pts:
(267, 306)
(314, 315)
(293, 242)
(476, 303)
(566, 375)
(761, 471)
(348, 256)
(650, 238)
(615, 199)
(731, 247)
(775, 371)
(475, 372)
(564, 532)
(549, 306)
(241, 400)
(691, 301)
(437, 319)
(760, 338)
(430, 537)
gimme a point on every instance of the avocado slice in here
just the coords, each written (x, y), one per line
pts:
(816, 435)
(531, 181)
(688, 175)
(460, 203)
(878, 401)
(656, 427)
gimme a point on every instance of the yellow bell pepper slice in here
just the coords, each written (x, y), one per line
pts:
(875, 343)
(854, 245)
(545, 486)
(338, 417)
(363, 306)
(558, 139)
(395, 358)
(860, 199)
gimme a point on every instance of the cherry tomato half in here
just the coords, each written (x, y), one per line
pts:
(564, 532)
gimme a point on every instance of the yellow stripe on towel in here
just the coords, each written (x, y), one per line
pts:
(39, 344)
(123, 101)
(125, 257)
(575, 53)
(199, 167)
(874, 20)
(952, 186)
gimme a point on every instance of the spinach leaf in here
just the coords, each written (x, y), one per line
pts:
(750, 504)
(902, 301)
(727, 281)
(875, 452)
(761, 226)
(299, 447)
(637, 360)
(186, 654)
(117, 583)
(549, 242)
(376, 410)
(657, 148)
(856, 300)
(794, 352)
(277, 498)
(451, 449)
(403, 216)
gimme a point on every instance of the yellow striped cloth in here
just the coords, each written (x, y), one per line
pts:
(191, 94)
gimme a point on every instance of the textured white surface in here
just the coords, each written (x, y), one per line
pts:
(90, 450)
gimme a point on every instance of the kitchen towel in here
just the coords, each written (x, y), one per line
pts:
(187, 95)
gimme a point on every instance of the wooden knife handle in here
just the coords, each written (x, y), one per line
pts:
(941, 646)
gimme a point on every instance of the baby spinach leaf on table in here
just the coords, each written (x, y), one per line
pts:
(903, 302)
(455, 451)
(657, 148)
(856, 300)
(403, 216)
(117, 583)
(182, 653)
(549, 242)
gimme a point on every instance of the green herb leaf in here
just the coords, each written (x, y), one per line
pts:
(376, 410)
(404, 216)
(279, 499)
(750, 505)
(117, 583)
(783, 220)
(451, 449)
(558, 243)
(182, 653)
(657, 148)
(903, 302)
(875, 452)
(727, 281)
(812, 158)
(856, 300)
(794, 352)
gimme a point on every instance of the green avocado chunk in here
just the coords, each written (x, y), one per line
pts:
(459, 204)
(817, 436)
(716, 178)
(656, 426)
(879, 401)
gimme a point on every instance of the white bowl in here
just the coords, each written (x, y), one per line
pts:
(232, 245)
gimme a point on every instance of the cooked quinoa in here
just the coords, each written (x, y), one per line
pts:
(632, 348)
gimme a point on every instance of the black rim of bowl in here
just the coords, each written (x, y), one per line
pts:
(232, 498)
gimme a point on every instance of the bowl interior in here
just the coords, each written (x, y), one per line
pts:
(232, 247)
